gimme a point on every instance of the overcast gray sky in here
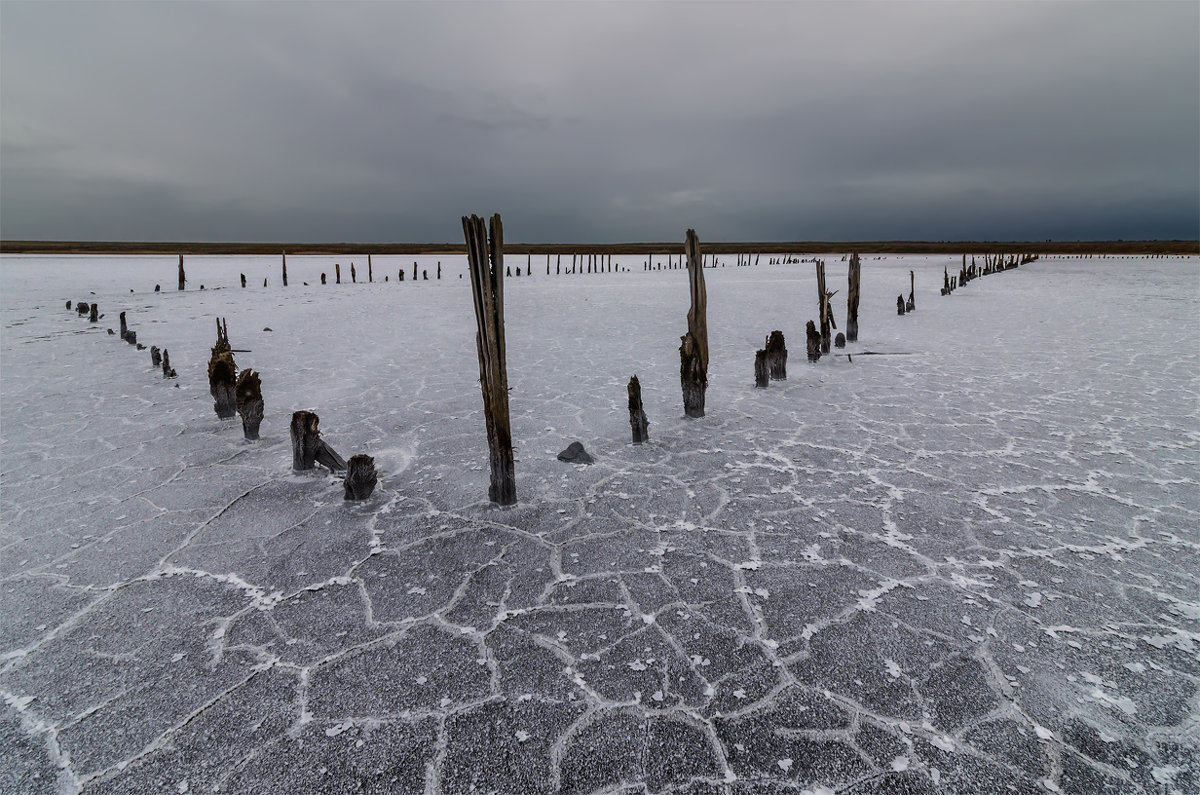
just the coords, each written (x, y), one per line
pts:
(599, 122)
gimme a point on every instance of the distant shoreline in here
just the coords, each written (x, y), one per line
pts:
(796, 247)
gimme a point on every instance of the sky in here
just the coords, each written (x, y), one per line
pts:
(599, 122)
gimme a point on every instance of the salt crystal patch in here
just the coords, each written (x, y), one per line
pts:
(900, 764)
(785, 764)
(893, 668)
(1042, 732)
(521, 735)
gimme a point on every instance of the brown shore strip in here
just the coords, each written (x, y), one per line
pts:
(1111, 247)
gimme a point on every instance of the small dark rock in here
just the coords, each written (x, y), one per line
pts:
(575, 454)
(110, 331)
(266, 328)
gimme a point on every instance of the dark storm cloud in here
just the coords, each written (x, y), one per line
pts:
(601, 122)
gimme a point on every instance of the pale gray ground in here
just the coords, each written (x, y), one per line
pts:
(967, 567)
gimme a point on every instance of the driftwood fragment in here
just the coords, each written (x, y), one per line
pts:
(360, 477)
(693, 350)
(485, 257)
(776, 356)
(308, 448)
(249, 402)
(813, 341)
(852, 298)
(762, 375)
(637, 414)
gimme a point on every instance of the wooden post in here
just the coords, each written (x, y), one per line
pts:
(900, 305)
(557, 265)
(353, 274)
(826, 315)
(308, 448)
(485, 255)
(322, 278)
(370, 270)
(182, 277)
(249, 402)
(124, 328)
(852, 298)
(337, 273)
(693, 352)
(813, 341)
(284, 255)
(762, 377)
(414, 271)
(439, 269)
(93, 312)
(637, 415)
(912, 292)
(400, 275)
(222, 375)
(360, 477)
(155, 356)
(168, 370)
(776, 356)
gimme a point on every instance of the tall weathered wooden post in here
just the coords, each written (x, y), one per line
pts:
(776, 350)
(693, 352)
(222, 374)
(182, 277)
(638, 421)
(912, 293)
(485, 257)
(249, 402)
(822, 302)
(284, 265)
(852, 299)
(370, 270)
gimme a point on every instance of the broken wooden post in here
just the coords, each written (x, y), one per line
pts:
(337, 273)
(637, 415)
(360, 477)
(762, 376)
(284, 266)
(823, 297)
(249, 403)
(182, 277)
(776, 356)
(400, 275)
(414, 271)
(322, 278)
(693, 352)
(424, 275)
(94, 313)
(222, 374)
(353, 274)
(124, 327)
(168, 370)
(308, 448)
(912, 293)
(485, 257)
(900, 305)
(155, 356)
(439, 269)
(852, 298)
(370, 270)
(813, 341)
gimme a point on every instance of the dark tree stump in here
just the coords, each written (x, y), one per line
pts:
(693, 350)
(308, 448)
(94, 313)
(575, 454)
(131, 337)
(322, 278)
(400, 275)
(840, 340)
(762, 376)
(900, 305)
(776, 356)
(485, 258)
(155, 356)
(82, 308)
(813, 341)
(68, 304)
(157, 288)
(168, 370)
(424, 275)
(637, 415)
(249, 403)
(360, 477)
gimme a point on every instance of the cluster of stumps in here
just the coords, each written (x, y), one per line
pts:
(159, 358)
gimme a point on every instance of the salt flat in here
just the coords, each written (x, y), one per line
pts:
(970, 565)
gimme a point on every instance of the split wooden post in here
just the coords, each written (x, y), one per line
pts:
(284, 266)
(637, 415)
(222, 375)
(182, 277)
(485, 256)
(762, 376)
(825, 308)
(852, 298)
(813, 341)
(776, 356)
(693, 352)
(249, 402)
(912, 292)
(308, 448)
(360, 477)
